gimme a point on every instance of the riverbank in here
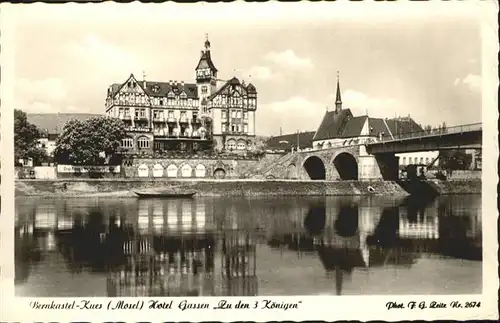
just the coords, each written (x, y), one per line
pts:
(471, 186)
(241, 188)
(126, 187)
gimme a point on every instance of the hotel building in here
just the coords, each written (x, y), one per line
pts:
(182, 116)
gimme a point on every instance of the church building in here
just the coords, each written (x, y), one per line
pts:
(341, 128)
(180, 116)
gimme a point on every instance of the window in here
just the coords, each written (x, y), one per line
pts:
(224, 127)
(127, 112)
(427, 160)
(241, 145)
(245, 128)
(233, 114)
(238, 128)
(410, 160)
(143, 142)
(120, 112)
(170, 114)
(233, 128)
(127, 143)
(161, 101)
(224, 115)
(404, 160)
(245, 115)
(143, 112)
(238, 114)
(158, 114)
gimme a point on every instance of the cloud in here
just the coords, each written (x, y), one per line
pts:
(361, 104)
(288, 58)
(295, 113)
(262, 73)
(473, 81)
(52, 89)
(40, 95)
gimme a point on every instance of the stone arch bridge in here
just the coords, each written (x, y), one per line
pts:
(343, 163)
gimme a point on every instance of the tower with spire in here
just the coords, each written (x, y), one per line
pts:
(206, 72)
(338, 99)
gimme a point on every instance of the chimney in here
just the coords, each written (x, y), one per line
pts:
(182, 83)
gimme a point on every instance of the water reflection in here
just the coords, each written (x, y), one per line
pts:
(235, 247)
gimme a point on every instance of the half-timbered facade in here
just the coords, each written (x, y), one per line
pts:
(233, 108)
(181, 116)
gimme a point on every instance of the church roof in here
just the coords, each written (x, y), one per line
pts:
(344, 125)
(332, 124)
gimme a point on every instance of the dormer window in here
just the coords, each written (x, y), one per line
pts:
(171, 94)
(156, 88)
(183, 95)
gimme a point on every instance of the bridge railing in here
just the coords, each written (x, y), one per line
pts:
(350, 142)
(434, 132)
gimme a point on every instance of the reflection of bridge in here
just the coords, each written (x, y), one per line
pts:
(370, 157)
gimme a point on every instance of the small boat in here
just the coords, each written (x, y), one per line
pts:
(166, 194)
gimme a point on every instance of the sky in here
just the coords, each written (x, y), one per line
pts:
(421, 60)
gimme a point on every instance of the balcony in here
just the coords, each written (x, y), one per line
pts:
(183, 120)
(124, 117)
(172, 119)
(158, 119)
(140, 118)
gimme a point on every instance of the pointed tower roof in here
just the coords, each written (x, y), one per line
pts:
(205, 59)
(338, 99)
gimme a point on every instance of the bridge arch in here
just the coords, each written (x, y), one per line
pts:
(346, 165)
(315, 168)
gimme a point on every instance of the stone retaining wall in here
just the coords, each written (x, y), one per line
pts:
(210, 187)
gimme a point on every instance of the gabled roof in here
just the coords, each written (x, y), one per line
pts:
(333, 124)
(235, 82)
(163, 88)
(353, 127)
(286, 142)
(340, 125)
(251, 88)
(53, 123)
(403, 125)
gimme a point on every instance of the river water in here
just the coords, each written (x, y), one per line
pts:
(246, 247)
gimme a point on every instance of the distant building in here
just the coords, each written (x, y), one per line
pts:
(52, 124)
(289, 142)
(182, 116)
(340, 128)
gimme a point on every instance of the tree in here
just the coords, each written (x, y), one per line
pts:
(89, 142)
(428, 129)
(454, 159)
(26, 137)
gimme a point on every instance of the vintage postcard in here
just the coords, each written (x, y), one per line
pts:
(239, 161)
